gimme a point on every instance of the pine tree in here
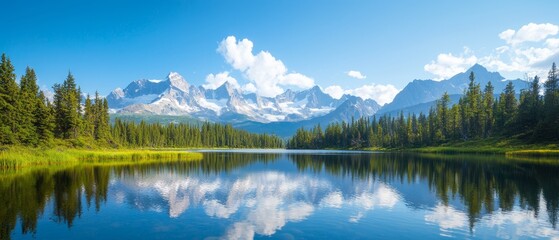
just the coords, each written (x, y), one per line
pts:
(67, 108)
(529, 108)
(8, 102)
(488, 101)
(88, 117)
(444, 117)
(548, 129)
(44, 124)
(29, 93)
(507, 109)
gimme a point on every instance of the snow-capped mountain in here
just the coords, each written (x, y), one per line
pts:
(174, 96)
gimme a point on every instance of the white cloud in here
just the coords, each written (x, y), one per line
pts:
(215, 81)
(249, 88)
(297, 79)
(448, 65)
(267, 74)
(529, 33)
(380, 93)
(238, 54)
(528, 50)
(356, 74)
(335, 91)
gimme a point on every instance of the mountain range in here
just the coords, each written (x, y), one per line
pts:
(173, 99)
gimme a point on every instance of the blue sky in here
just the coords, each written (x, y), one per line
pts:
(107, 44)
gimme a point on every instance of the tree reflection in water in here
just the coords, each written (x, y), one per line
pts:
(484, 185)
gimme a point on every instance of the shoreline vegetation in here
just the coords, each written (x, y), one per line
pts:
(524, 125)
(18, 157)
(71, 127)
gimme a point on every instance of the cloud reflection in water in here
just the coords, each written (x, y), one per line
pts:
(263, 202)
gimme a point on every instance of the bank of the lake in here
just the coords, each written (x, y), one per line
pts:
(16, 157)
(507, 147)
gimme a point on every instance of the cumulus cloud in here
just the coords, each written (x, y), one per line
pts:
(267, 74)
(249, 88)
(356, 74)
(335, 91)
(214, 81)
(448, 65)
(529, 33)
(380, 93)
(529, 50)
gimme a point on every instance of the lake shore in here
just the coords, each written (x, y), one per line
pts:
(487, 146)
(494, 146)
(16, 157)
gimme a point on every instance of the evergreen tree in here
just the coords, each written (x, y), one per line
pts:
(529, 108)
(29, 97)
(488, 102)
(444, 116)
(548, 128)
(8, 102)
(67, 108)
(88, 117)
(44, 124)
(510, 105)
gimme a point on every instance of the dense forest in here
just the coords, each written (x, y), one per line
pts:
(532, 118)
(29, 118)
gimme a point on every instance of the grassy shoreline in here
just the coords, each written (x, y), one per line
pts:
(16, 157)
(507, 147)
(495, 146)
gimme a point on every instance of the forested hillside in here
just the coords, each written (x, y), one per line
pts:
(533, 118)
(28, 118)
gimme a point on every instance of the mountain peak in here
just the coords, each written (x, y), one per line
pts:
(477, 68)
(316, 88)
(176, 80)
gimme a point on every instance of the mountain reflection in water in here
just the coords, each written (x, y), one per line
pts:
(247, 195)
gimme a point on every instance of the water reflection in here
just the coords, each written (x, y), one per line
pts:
(259, 194)
(260, 203)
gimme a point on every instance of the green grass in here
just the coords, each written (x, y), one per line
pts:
(534, 153)
(22, 157)
(508, 147)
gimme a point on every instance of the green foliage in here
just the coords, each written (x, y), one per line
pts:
(547, 129)
(67, 108)
(20, 157)
(29, 119)
(477, 116)
(44, 120)
(213, 135)
(29, 97)
(8, 102)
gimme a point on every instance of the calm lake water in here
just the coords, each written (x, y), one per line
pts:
(287, 195)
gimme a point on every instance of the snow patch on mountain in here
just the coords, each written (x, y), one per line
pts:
(174, 96)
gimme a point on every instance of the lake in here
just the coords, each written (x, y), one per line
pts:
(281, 194)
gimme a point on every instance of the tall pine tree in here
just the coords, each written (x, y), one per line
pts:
(67, 108)
(548, 128)
(29, 93)
(8, 102)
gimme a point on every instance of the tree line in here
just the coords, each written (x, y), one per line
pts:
(532, 118)
(131, 134)
(29, 118)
